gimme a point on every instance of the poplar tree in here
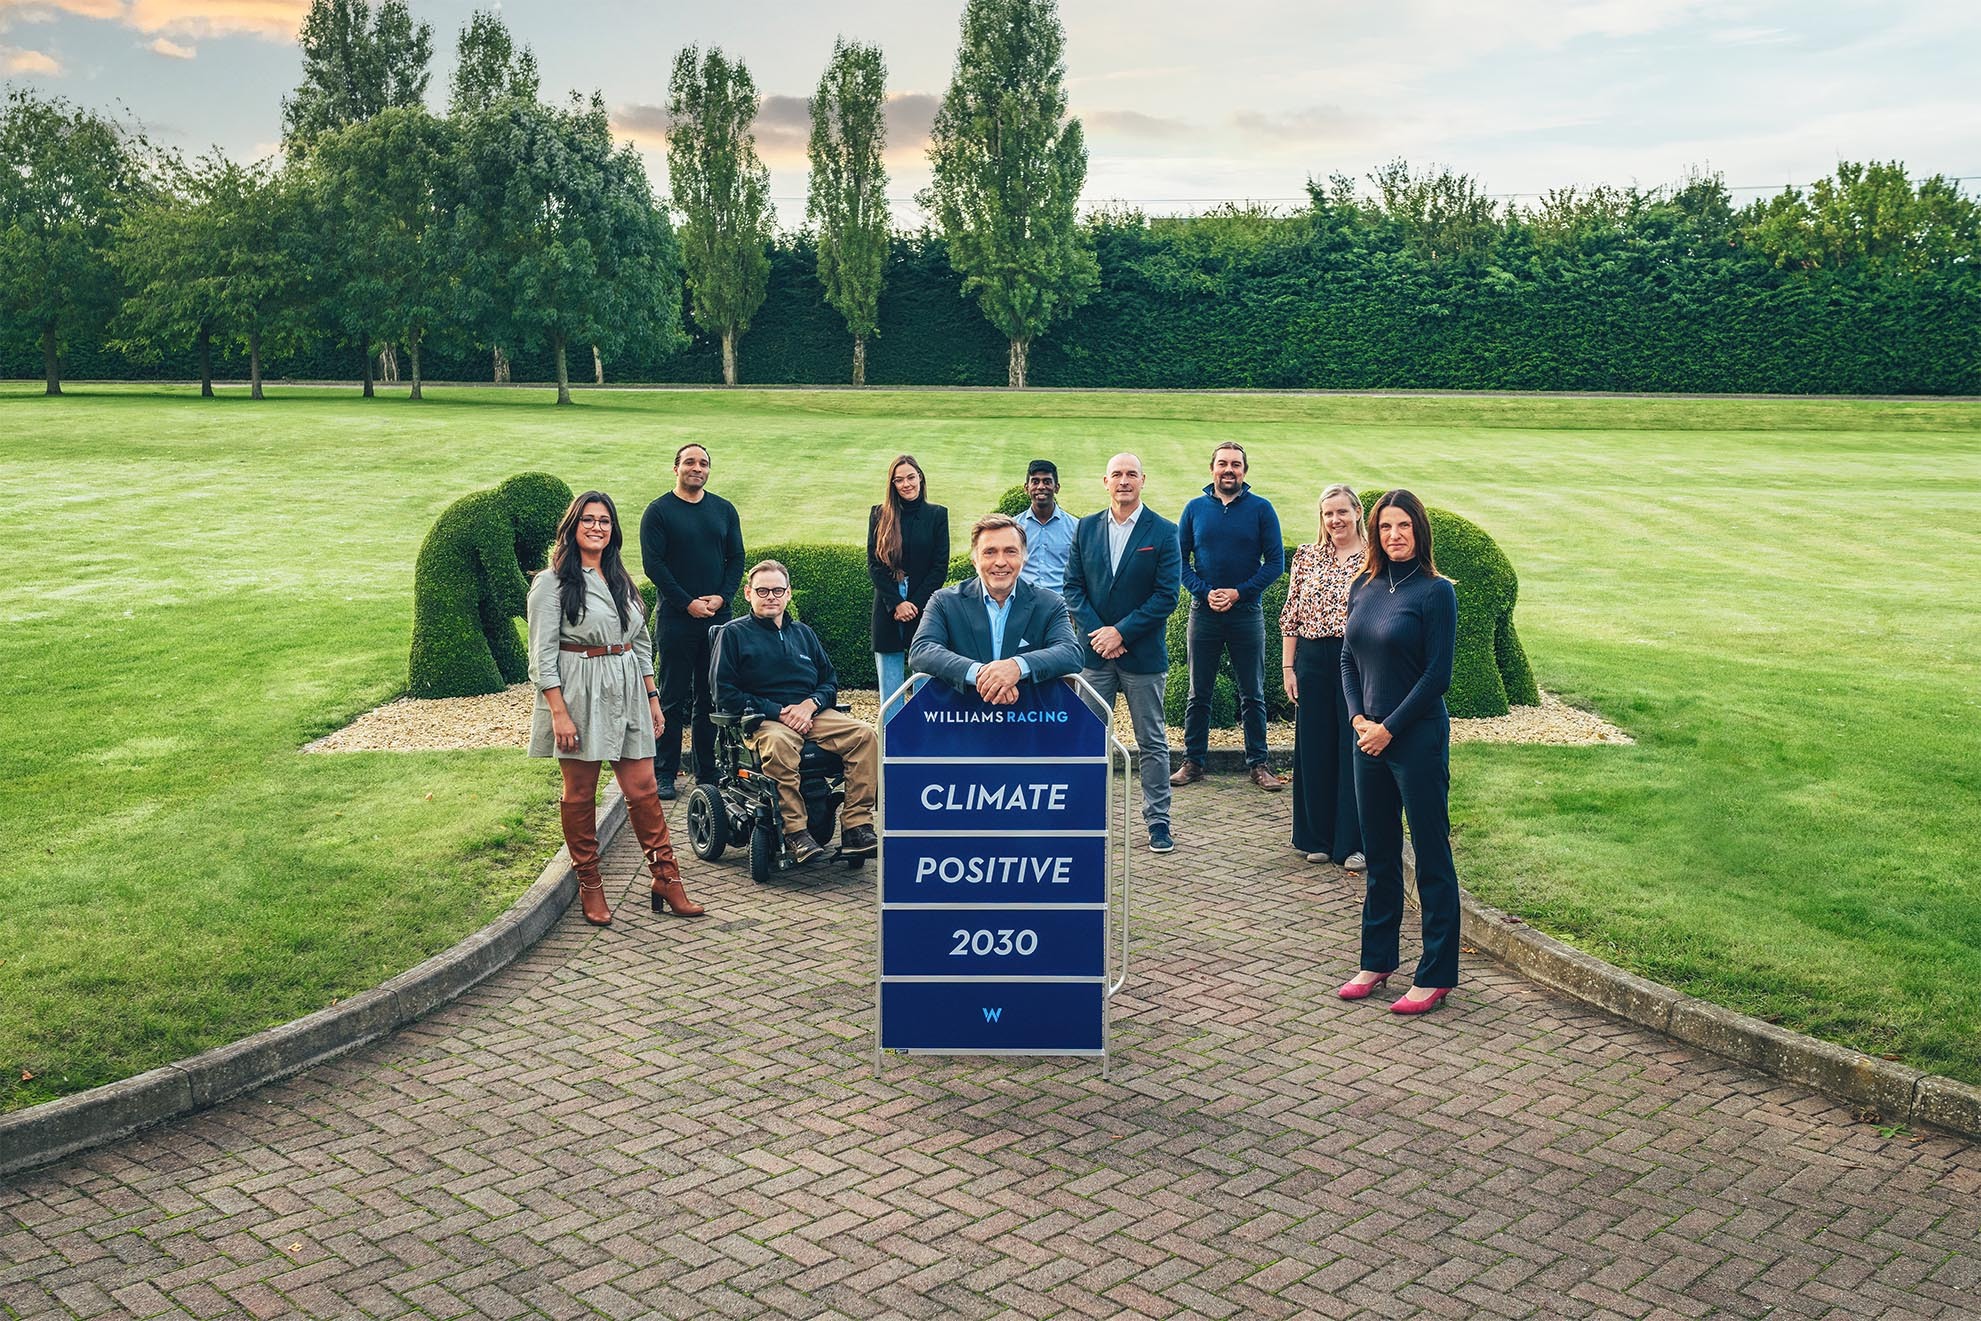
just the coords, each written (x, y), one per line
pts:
(722, 191)
(1008, 168)
(356, 62)
(848, 200)
(490, 67)
(67, 177)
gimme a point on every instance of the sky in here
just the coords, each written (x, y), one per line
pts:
(1184, 104)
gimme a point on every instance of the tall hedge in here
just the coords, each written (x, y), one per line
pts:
(1290, 303)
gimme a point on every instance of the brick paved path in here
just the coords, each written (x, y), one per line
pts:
(678, 1118)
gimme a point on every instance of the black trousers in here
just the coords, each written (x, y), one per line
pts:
(1324, 815)
(1240, 630)
(681, 667)
(1412, 778)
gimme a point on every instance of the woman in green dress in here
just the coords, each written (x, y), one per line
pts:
(591, 659)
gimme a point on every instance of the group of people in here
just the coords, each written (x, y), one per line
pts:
(1368, 635)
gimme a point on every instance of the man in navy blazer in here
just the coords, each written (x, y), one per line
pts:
(995, 633)
(1121, 582)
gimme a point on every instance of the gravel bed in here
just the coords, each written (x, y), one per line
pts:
(502, 720)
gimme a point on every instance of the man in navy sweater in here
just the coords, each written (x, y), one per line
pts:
(1232, 552)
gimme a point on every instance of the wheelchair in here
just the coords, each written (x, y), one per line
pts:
(740, 807)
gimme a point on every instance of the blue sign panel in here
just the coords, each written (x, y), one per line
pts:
(1026, 796)
(994, 942)
(1048, 720)
(1015, 1016)
(994, 869)
(994, 888)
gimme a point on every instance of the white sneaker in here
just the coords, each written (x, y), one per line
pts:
(1319, 857)
(1355, 862)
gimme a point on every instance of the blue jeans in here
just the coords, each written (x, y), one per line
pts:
(892, 666)
(1240, 630)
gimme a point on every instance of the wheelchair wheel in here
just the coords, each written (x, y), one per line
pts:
(708, 824)
(763, 854)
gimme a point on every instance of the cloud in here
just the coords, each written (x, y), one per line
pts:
(1315, 126)
(171, 49)
(784, 126)
(272, 20)
(1134, 125)
(15, 60)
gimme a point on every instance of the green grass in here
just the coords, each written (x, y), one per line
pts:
(1778, 599)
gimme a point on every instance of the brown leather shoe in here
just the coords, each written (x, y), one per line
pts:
(649, 820)
(1188, 773)
(803, 847)
(1263, 776)
(580, 823)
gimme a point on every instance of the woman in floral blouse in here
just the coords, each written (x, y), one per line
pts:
(1325, 825)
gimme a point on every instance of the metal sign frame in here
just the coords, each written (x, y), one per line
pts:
(1115, 884)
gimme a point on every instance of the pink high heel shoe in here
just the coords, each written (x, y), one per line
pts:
(1407, 1006)
(1353, 990)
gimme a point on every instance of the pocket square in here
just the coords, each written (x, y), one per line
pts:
(1144, 550)
(1024, 642)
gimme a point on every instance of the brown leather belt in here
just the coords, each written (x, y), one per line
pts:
(595, 651)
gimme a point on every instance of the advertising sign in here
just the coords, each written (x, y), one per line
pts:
(994, 881)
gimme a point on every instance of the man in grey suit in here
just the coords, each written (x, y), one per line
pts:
(995, 632)
(1121, 582)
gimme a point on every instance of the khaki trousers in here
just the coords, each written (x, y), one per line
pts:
(852, 741)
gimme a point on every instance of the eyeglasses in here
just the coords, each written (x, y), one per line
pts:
(769, 593)
(594, 520)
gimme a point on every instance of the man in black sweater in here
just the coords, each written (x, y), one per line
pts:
(776, 666)
(691, 546)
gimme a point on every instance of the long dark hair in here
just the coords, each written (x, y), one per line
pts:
(569, 565)
(1420, 523)
(887, 531)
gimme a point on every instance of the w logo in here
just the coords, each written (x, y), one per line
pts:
(993, 1015)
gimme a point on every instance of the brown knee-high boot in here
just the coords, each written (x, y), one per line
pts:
(581, 838)
(649, 820)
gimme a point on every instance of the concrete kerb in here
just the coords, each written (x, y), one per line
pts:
(76, 1123)
(1895, 1091)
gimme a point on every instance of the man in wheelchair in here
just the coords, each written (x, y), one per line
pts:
(775, 687)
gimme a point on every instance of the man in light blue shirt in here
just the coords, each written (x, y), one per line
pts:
(1048, 528)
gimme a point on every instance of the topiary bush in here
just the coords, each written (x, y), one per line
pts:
(833, 594)
(471, 581)
(1489, 670)
(1015, 502)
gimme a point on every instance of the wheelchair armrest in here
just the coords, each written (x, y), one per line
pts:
(749, 721)
(723, 718)
(841, 706)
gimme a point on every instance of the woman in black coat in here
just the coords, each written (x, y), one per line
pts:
(907, 558)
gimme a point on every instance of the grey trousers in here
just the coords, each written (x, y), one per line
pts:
(1144, 693)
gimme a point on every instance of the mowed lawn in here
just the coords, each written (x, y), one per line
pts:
(1780, 600)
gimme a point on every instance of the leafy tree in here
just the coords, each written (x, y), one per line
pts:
(1870, 216)
(489, 68)
(264, 222)
(722, 191)
(382, 188)
(556, 239)
(68, 177)
(172, 251)
(848, 200)
(356, 62)
(1008, 169)
(489, 65)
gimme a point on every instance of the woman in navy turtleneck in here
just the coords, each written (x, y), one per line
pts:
(907, 559)
(1395, 667)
